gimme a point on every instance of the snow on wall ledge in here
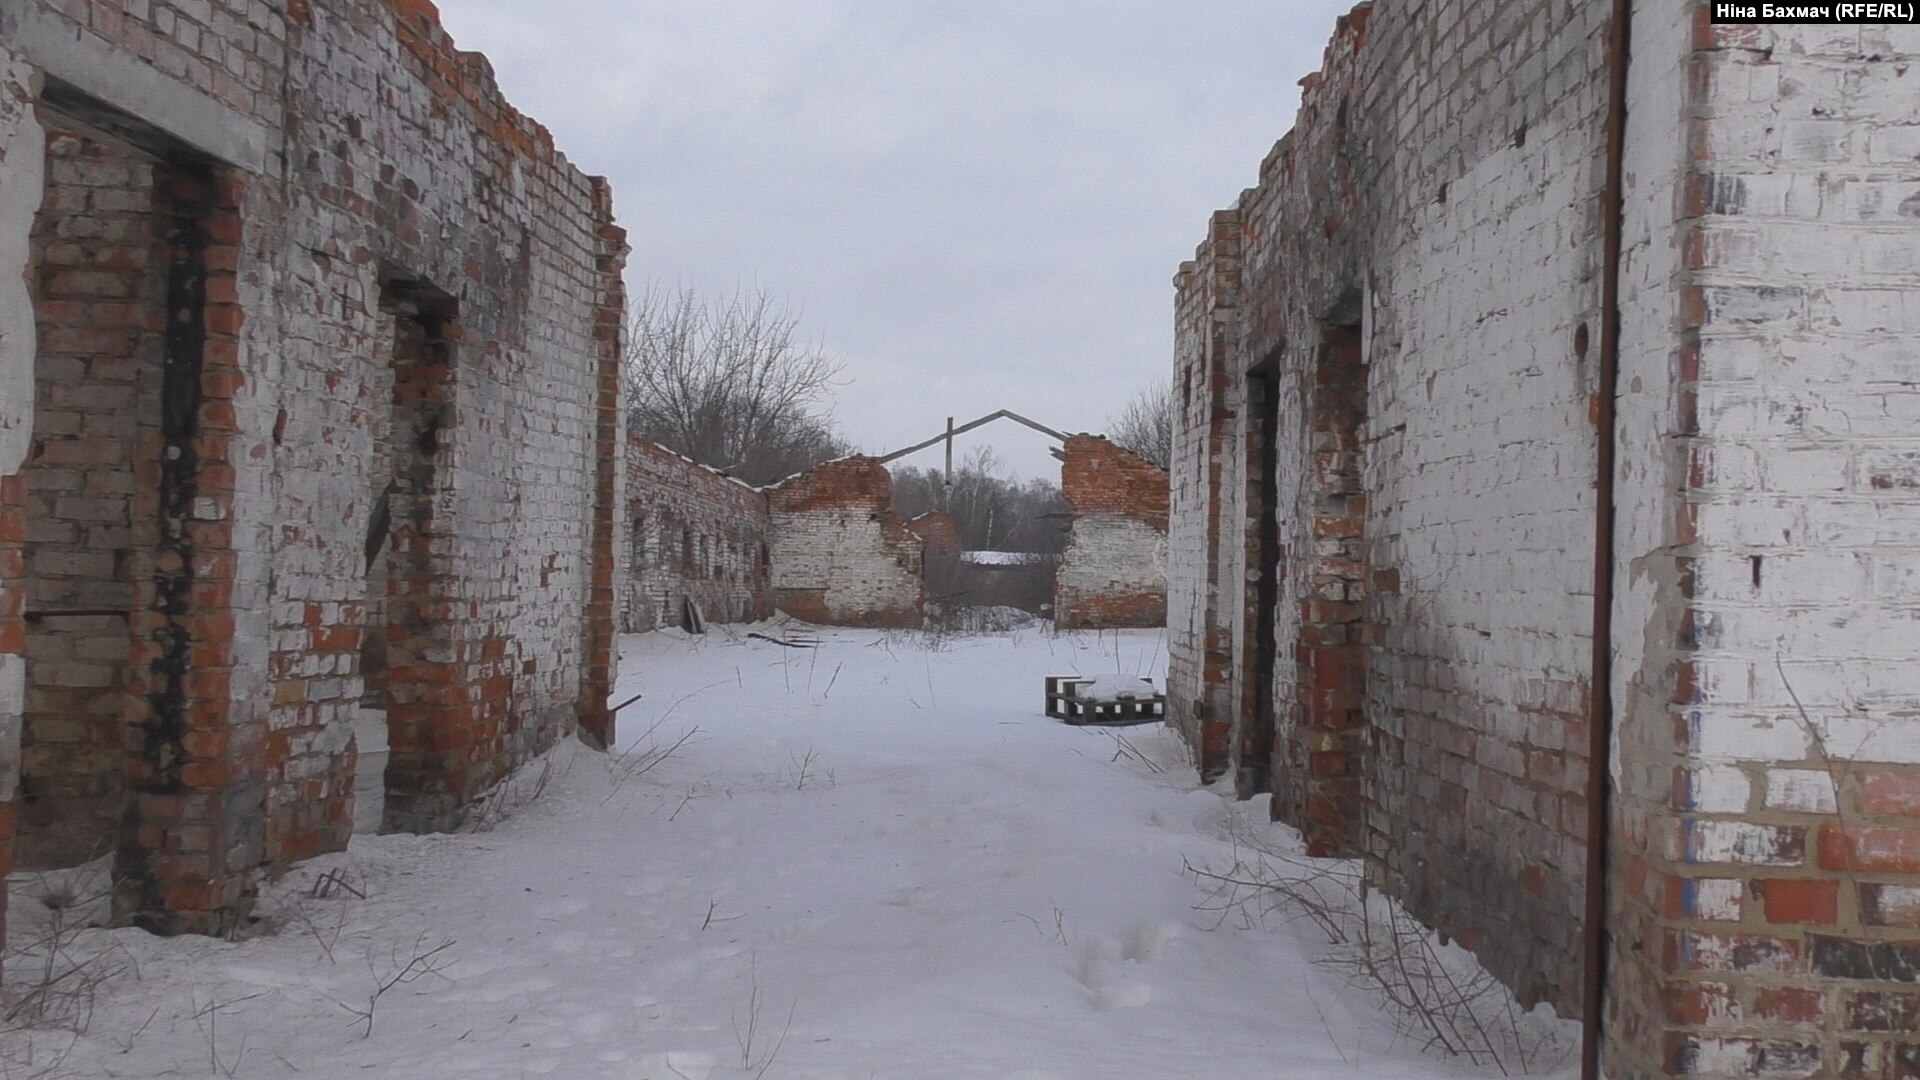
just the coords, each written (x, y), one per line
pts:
(840, 555)
(1114, 570)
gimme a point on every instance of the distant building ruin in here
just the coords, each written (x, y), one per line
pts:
(1113, 573)
(696, 539)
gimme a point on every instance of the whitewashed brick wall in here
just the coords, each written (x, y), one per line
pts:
(844, 555)
(1111, 555)
(22, 172)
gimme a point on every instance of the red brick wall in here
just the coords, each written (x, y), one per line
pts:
(609, 463)
(1434, 534)
(185, 849)
(841, 556)
(1204, 677)
(98, 300)
(692, 533)
(937, 531)
(1765, 896)
(1317, 784)
(297, 191)
(1113, 571)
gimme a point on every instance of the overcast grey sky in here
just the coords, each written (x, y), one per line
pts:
(977, 204)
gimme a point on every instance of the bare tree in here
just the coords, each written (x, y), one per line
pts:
(990, 511)
(1145, 426)
(729, 383)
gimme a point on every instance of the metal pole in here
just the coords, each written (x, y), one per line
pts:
(949, 451)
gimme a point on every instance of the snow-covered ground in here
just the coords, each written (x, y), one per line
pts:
(874, 859)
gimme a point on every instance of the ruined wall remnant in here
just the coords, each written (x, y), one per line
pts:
(1388, 378)
(1113, 571)
(841, 556)
(946, 585)
(1201, 608)
(297, 340)
(693, 534)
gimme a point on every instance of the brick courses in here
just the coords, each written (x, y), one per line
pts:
(354, 237)
(841, 556)
(1764, 632)
(692, 533)
(1404, 665)
(1435, 223)
(94, 259)
(1113, 571)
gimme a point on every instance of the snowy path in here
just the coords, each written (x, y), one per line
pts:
(886, 843)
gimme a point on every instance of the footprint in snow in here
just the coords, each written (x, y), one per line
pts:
(675, 1065)
(1147, 939)
(799, 928)
(1109, 967)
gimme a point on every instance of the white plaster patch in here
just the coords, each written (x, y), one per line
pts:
(1718, 899)
(1718, 789)
(1807, 791)
(22, 174)
(1741, 842)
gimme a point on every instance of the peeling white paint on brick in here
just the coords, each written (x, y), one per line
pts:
(1715, 841)
(1718, 899)
(1808, 791)
(1110, 555)
(845, 555)
(1718, 789)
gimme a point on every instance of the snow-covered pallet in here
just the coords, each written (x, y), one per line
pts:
(1104, 700)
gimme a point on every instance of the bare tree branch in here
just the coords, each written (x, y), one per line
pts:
(729, 383)
(1145, 426)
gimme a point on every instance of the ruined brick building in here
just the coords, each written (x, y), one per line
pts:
(1114, 570)
(842, 557)
(1546, 511)
(695, 537)
(308, 397)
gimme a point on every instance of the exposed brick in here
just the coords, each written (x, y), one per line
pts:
(1793, 1005)
(1113, 571)
(1890, 905)
(260, 448)
(1880, 1011)
(1792, 901)
(692, 534)
(1877, 961)
(1868, 847)
(1889, 793)
(840, 555)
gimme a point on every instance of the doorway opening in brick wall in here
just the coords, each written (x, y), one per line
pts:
(132, 740)
(1253, 746)
(1329, 731)
(99, 285)
(416, 719)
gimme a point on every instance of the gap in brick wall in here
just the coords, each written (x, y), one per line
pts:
(413, 707)
(99, 287)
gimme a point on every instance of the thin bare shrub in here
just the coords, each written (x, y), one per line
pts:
(1436, 996)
